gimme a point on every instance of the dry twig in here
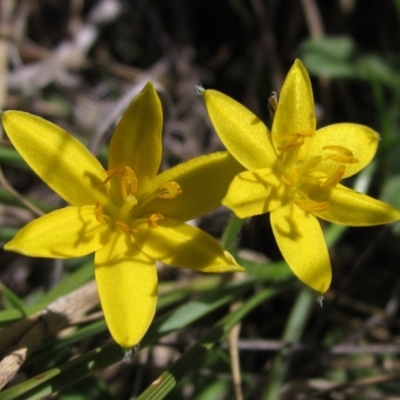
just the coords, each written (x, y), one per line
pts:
(36, 329)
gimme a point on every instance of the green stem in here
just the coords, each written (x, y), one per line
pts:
(229, 237)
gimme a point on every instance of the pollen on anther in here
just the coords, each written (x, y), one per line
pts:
(291, 141)
(152, 222)
(340, 154)
(127, 180)
(128, 183)
(308, 205)
(125, 228)
(98, 212)
(334, 179)
(111, 173)
(169, 190)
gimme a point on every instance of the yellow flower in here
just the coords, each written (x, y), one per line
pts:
(128, 215)
(294, 173)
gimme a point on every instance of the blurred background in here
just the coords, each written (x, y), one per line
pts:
(78, 63)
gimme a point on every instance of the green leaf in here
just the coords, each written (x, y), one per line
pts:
(88, 389)
(374, 67)
(391, 191)
(10, 156)
(10, 299)
(329, 56)
(391, 194)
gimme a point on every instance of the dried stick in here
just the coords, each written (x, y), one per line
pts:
(60, 314)
(234, 352)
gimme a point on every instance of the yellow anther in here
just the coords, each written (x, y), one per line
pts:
(301, 134)
(295, 135)
(128, 182)
(343, 159)
(339, 149)
(112, 172)
(169, 190)
(125, 228)
(308, 205)
(341, 154)
(290, 141)
(333, 180)
(98, 212)
(291, 146)
(152, 222)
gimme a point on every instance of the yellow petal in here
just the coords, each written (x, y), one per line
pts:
(254, 193)
(64, 163)
(136, 141)
(204, 182)
(295, 112)
(65, 233)
(243, 134)
(301, 241)
(127, 284)
(351, 208)
(360, 140)
(181, 245)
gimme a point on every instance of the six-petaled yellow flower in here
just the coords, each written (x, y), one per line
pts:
(294, 173)
(128, 215)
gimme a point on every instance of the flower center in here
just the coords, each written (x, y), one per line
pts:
(124, 207)
(309, 182)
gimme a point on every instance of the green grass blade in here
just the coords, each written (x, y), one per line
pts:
(55, 379)
(169, 379)
(293, 332)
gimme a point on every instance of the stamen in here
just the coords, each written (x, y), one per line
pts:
(344, 159)
(125, 228)
(98, 212)
(311, 205)
(169, 190)
(333, 180)
(112, 172)
(152, 222)
(128, 183)
(341, 154)
(290, 177)
(339, 149)
(290, 141)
